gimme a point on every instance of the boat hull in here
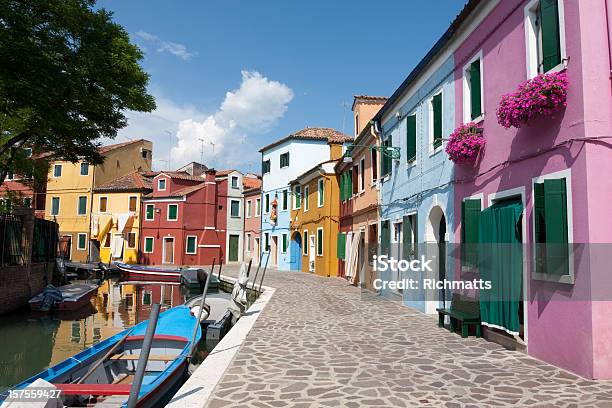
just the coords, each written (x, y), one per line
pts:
(65, 304)
(148, 274)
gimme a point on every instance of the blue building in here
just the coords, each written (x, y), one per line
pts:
(282, 162)
(416, 189)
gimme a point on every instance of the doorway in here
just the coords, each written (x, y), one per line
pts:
(65, 247)
(274, 250)
(311, 253)
(256, 254)
(234, 242)
(168, 250)
(296, 252)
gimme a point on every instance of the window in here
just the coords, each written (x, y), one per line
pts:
(545, 36)
(10, 175)
(346, 185)
(355, 179)
(472, 89)
(341, 246)
(305, 243)
(362, 175)
(148, 245)
(320, 192)
(285, 206)
(107, 240)
(146, 298)
(132, 202)
(266, 242)
(172, 212)
(82, 205)
(386, 159)
(409, 236)
(435, 121)
(55, 205)
(235, 208)
(161, 184)
(191, 245)
(470, 219)
(249, 205)
(258, 207)
(102, 204)
(297, 197)
(319, 241)
(131, 240)
(145, 153)
(374, 157)
(27, 202)
(234, 181)
(57, 170)
(552, 230)
(248, 242)
(265, 166)
(384, 238)
(267, 203)
(81, 241)
(306, 198)
(84, 169)
(284, 160)
(397, 239)
(356, 125)
(285, 243)
(150, 212)
(411, 138)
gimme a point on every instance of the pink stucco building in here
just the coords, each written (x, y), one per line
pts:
(252, 217)
(564, 318)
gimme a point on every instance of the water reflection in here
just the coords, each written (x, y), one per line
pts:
(31, 342)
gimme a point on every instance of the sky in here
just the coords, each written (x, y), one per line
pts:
(232, 76)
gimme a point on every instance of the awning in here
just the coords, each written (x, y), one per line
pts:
(106, 223)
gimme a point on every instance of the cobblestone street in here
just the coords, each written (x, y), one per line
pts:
(320, 342)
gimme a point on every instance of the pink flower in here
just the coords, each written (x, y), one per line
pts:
(465, 142)
(542, 95)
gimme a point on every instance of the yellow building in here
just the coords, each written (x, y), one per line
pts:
(315, 217)
(115, 219)
(70, 189)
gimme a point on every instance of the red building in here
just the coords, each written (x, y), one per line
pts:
(184, 219)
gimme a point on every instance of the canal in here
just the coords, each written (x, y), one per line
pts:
(30, 342)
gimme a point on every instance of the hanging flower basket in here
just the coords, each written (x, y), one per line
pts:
(537, 97)
(465, 143)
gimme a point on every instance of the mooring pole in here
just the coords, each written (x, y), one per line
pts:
(257, 271)
(263, 274)
(144, 356)
(220, 266)
(199, 316)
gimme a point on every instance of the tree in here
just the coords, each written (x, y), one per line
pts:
(67, 75)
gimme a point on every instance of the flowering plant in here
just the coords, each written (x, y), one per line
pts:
(465, 142)
(540, 96)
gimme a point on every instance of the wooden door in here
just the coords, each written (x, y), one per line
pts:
(233, 248)
(168, 250)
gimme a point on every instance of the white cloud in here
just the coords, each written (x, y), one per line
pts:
(177, 130)
(173, 48)
(254, 107)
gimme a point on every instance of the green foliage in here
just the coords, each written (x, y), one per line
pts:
(67, 75)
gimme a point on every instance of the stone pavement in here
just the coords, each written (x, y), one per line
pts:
(320, 342)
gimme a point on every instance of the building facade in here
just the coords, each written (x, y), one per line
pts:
(115, 219)
(359, 194)
(252, 218)
(282, 162)
(184, 220)
(234, 247)
(315, 218)
(70, 190)
(552, 172)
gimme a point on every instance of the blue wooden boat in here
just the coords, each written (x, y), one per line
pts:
(110, 382)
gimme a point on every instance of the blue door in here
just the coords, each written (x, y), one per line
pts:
(295, 251)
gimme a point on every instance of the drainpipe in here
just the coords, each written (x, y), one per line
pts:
(608, 18)
(375, 131)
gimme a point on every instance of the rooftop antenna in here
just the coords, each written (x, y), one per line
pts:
(169, 147)
(213, 152)
(344, 106)
(201, 139)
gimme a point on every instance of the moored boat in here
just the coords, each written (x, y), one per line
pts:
(102, 374)
(145, 273)
(67, 297)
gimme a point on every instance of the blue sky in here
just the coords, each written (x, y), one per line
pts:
(287, 64)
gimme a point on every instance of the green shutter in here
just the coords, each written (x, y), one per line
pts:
(172, 212)
(341, 185)
(150, 210)
(437, 120)
(411, 137)
(539, 212)
(341, 245)
(407, 243)
(350, 183)
(551, 43)
(385, 238)
(298, 197)
(319, 242)
(191, 247)
(148, 244)
(470, 216)
(475, 89)
(555, 215)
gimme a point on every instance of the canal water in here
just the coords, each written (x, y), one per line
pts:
(30, 342)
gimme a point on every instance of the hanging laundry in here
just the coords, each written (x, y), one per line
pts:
(122, 220)
(117, 246)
